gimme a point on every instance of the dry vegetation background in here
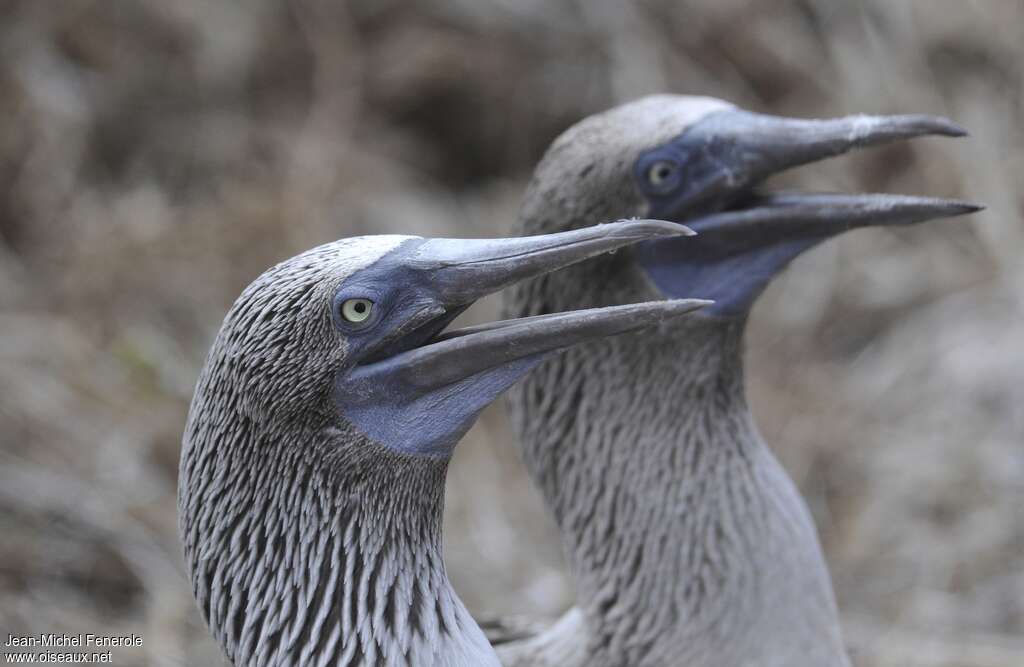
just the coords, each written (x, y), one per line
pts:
(156, 156)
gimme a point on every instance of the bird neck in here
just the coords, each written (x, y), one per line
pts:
(290, 566)
(686, 537)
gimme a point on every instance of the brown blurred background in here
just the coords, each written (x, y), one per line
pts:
(156, 156)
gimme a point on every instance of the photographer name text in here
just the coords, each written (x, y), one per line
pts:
(62, 640)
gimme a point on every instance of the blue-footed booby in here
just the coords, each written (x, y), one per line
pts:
(313, 464)
(689, 543)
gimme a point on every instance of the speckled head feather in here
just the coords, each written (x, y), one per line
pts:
(274, 490)
(688, 542)
(701, 161)
(311, 484)
(596, 156)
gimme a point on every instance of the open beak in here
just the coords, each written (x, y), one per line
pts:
(729, 153)
(745, 237)
(456, 272)
(398, 390)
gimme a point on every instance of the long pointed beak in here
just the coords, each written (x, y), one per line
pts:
(729, 152)
(461, 271)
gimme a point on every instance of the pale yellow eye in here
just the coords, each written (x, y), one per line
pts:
(356, 311)
(660, 172)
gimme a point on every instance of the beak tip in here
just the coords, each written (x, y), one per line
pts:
(658, 228)
(958, 207)
(950, 129)
(918, 125)
(680, 307)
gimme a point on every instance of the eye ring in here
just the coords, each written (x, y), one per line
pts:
(357, 311)
(660, 172)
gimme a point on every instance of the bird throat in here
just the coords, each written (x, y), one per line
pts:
(680, 527)
(295, 563)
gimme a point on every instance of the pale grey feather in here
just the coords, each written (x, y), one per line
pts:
(296, 527)
(689, 543)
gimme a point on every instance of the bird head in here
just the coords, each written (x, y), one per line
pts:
(701, 161)
(353, 331)
(331, 401)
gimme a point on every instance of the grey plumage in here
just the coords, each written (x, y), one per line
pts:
(284, 507)
(309, 542)
(688, 542)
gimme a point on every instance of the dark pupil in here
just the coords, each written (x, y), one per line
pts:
(360, 307)
(662, 172)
